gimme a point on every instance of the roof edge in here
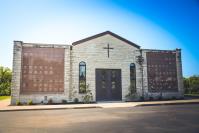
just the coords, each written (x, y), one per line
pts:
(104, 33)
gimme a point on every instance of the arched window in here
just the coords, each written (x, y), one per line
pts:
(132, 78)
(82, 77)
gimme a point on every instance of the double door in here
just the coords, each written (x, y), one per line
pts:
(108, 85)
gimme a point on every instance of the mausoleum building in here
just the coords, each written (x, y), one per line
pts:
(106, 65)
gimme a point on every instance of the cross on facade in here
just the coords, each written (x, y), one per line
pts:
(108, 49)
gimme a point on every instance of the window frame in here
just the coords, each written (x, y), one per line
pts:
(132, 67)
(81, 92)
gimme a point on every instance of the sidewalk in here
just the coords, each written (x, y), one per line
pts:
(4, 105)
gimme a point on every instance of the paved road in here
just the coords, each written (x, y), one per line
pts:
(150, 119)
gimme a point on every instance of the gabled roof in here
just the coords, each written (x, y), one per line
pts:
(104, 33)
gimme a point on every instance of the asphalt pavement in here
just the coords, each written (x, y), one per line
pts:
(147, 119)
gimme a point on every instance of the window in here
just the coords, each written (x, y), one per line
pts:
(132, 78)
(82, 77)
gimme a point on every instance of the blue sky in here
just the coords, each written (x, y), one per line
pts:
(159, 24)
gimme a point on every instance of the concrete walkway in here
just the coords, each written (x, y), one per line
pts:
(4, 105)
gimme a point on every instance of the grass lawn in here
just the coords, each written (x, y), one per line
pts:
(191, 94)
(4, 97)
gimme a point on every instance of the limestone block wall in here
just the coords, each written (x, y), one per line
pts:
(95, 57)
(141, 71)
(16, 72)
(92, 52)
(16, 79)
(179, 72)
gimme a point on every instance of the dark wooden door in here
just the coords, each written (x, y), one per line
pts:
(108, 85)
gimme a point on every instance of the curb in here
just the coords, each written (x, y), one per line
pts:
(158, 104)
(37, 109)
(90, 107)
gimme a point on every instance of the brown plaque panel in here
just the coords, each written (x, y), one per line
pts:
(42, 70)
(162, 72)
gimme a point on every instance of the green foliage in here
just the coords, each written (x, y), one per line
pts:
(82, 86)
(151, 98)
(132, 92)
(191, 85)
(4, 97)
(64, 101)
(141, 98)
(76, 100)
(160, 98)
(30, 102)
(88, 97)
(5, 81)
(194, 95)
(73, 92)
(18, 103)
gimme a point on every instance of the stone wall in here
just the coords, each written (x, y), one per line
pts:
(16, 72)
(93, 54)
(179, 72)
(16, 79)
(165, 95)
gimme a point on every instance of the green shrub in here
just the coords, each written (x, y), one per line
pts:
(141, 98)
(29, 102)
(88, 97)
(150, 98)
(76, 100)
(64, 101)
(160, 98)
(18, 103)
(132, 95)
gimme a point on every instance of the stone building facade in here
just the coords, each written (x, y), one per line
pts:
(106, 64)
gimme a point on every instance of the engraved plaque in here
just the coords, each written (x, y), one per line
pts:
(41, 67)
(162, 71)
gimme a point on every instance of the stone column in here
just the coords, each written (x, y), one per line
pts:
(70, 75)
(179, 73)
(67, 72)
(145, 77)
(16, 72)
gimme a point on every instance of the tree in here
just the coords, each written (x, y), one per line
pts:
(191, 84)
(5, 81)
(186, 85)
